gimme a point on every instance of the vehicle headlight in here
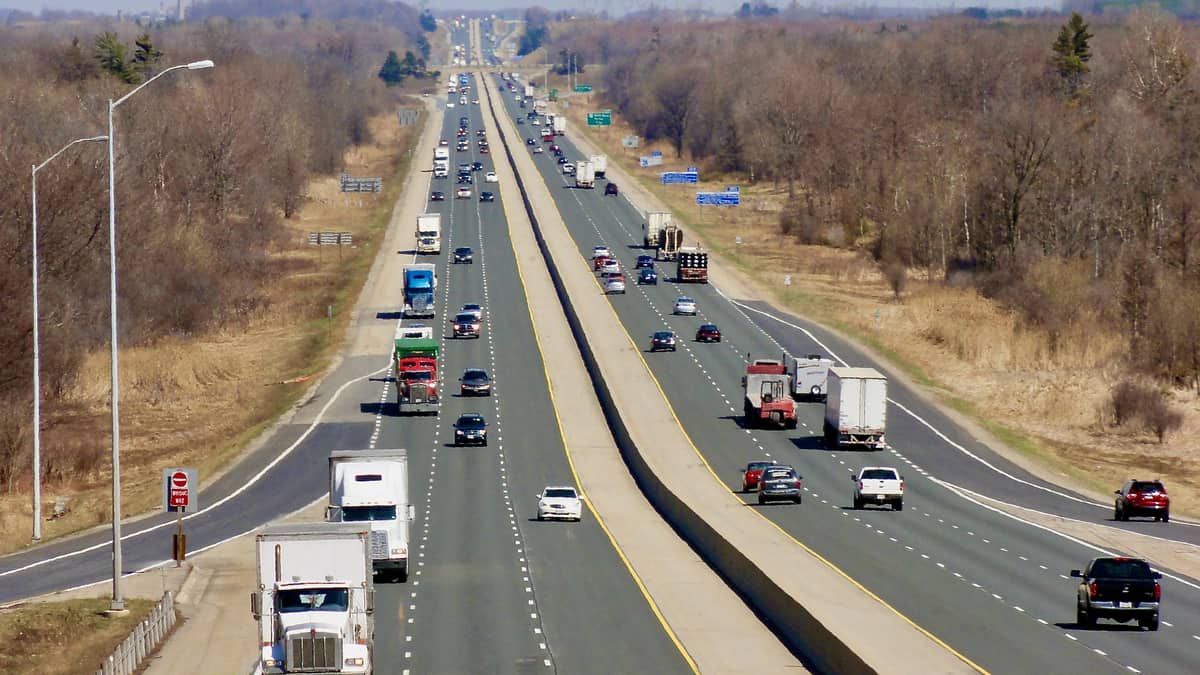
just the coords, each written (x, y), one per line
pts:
(355, 661)
(272, 663)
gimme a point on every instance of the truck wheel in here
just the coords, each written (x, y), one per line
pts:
(1117, 514)
(1082, 618)
(1166, 519)
(1149, 624)
(791, 424)
(401, 576)
(898, 505)
(799, 499)
(760, 499)
(857, 504)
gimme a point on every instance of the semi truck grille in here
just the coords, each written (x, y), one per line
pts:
(418, 393)
(379, 545)
(316, 653)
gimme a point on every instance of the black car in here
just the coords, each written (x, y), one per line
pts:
(663, 339)
(530, 141)
(464, 255)
(611, 189)
(648, 276)
(708, 333)
(520, 121)
(779, 483)
(475, 382)
(437, 197)
(477, 166)
(562, 160)
(1122, 589)
(470, 429)
(644, 261)
(487, 197)
(465, 179)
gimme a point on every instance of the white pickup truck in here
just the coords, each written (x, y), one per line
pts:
(879, 485)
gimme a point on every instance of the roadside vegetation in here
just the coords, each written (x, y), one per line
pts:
(1007, 208)
(65, 637)
(225, 311)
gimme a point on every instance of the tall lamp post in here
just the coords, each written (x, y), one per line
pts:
(37, 370)
(118, 601)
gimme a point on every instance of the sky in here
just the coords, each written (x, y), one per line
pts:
(616, 6)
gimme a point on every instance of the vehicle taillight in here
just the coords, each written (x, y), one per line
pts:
(1157, 592)
(902, 486)
(860, 485)
(1092, 589)
(797, 483)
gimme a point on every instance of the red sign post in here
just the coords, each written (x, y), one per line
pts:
(179, 492)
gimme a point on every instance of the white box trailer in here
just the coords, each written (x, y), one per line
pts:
(585, 175)
(599, 164)
(810, 377)
(429, 233)
(371, 487)
(560, 124)
(652, 229)
(856, 408)
(315, 598)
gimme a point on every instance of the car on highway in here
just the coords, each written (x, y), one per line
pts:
(449, 104)
(520, 121)
(484, 150)
(752, 473)
(444, 143)
(663, 339)
(563, 160)
(559, 502)
(477, 166)
(610, 265)
(600, 251)
(708, 333)
(882, 485)
(643, 261)
(1142, 498)
(611, 189)
(779, 483)
(437, 196)
(486, 196)
(529, 141)
(462, 100)
(481, 132)
(647, 275)
(462, 147)
(474, 309)
(537, 150)
(684, 305)
(1121, 589)
(536, 122)
(615, 284)
(463, 192)
(568, 169)
(491, 177)
(474, 101)
(475, 382)
(465, 179)
(466, 325)
(470, 429)
(555, 148)
(464, 254)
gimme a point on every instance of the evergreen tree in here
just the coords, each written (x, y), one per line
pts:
(1072, 52)
(428, 23)
(111, 55)
(145, 56)
(391, 73)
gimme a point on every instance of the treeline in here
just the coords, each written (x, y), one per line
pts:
(208, 165)
(1056, 166)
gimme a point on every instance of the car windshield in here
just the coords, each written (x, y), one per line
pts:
(757, 466)
(465, 318)
(1147, 486)
(462, 251)
(475, 375)
(1121, 569)
(560, 493)
(356, 514)
(879, 474)
(685, 301)
(708, 327)
(313, 599)
(470, 423)
(663, 336)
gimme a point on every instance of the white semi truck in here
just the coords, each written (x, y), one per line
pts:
(370, 487)
(856, 408)
(315, 599)
(652, 229)
(429, 233)
(585, 175)
(599, 164)
(560, 124)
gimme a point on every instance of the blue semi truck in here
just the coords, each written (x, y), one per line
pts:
(420, 283)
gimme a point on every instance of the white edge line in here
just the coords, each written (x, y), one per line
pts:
(254, 479)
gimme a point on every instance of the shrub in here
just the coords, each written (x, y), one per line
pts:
(1129, 401)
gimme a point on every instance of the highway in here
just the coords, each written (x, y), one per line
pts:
(492, 590)
(993, 588)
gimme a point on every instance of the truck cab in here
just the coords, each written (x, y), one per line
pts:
(429, 233)
(416, 362)
(420, 282)
(371, 487)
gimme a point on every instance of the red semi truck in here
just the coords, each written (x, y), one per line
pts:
(768, 401)
(417, 375)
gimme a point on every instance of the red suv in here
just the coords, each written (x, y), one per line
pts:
(752, 474)
(1142, 498)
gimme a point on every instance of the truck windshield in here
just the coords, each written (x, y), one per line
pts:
(355, 514)
(313, 599)
(417, 376)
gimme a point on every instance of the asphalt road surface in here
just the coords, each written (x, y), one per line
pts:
(992, 587)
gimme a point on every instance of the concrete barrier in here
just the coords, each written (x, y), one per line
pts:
(759, 582)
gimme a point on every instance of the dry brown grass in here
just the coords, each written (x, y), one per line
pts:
(975, 354)
(197, 402)
(62, 638)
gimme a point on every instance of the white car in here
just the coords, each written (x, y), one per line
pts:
(462, 100)
(473, 309)
(568, 169)
(536, 122)
(685, 305)
(491, 177)
(879, 485)
(601, 252)
(559, 502)
(444, 143)
(537, 150)
(464, 192)
(610, 266)
(474, 101)
(449, 104)
(614, 284)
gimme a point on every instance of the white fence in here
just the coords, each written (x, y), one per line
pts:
(142, 640)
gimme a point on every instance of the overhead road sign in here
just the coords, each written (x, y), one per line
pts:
(718, 198)
(583, 88)
(674, 177)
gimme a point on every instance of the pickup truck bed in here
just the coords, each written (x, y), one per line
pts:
(879, 485)
(1121, 589)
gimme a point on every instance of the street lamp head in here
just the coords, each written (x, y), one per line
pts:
(200, 65)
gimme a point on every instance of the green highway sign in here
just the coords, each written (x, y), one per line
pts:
(553, 94)
(583, 88)
(599, 119)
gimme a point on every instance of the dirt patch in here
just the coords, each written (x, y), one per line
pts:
(62, 638)
(1046, 402)
(198, 401)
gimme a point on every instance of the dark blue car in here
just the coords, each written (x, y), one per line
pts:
(644, 261)
(648, 276)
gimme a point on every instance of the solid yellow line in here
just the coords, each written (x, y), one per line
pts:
(847, 577)
(662, 620)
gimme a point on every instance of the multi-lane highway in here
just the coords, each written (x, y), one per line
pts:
(992, 587)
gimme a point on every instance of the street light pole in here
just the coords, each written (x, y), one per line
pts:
(118, 601)
(37, 369)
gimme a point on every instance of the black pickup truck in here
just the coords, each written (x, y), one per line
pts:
(1122, 589)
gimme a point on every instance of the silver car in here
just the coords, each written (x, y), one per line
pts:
(685, 305)
(614, 284)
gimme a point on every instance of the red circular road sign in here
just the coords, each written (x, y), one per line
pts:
(179, 479)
